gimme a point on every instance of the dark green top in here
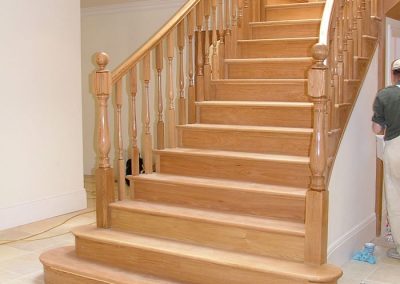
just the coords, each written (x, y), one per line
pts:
(387, 111)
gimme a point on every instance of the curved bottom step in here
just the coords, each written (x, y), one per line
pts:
(61, 265)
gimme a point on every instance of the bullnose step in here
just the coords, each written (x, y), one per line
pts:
(63, 263)
(188, 262)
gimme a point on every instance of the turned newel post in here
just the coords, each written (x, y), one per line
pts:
(317, 90)
(317, 196)
(104, 173)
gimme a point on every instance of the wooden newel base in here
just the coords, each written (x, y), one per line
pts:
(316, 227)
(104, 196)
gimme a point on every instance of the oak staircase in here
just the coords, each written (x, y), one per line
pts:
(234, 190)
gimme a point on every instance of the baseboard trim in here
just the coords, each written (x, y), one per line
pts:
(130, 6)
(340, 251)
(44, 208)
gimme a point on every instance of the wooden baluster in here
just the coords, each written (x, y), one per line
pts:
(228, 29)
(234, 27)
(191, 90)
(317, 195)
(354, 28)
(368, 13)
(171, 96)
(199, 50)
(221, 39)
(359, 29)
(245, 19)
(214, 60)
(147, 139)
(350, 40)
(365, 16)
(344, 39)
(133, 125)
(207, 66)
(104, 172)
(374, 8)
(160, 123)
(182, 100)
(120, 147)
(256, 11)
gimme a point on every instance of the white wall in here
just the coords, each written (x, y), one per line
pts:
(352, 184)
(40, 119)
(118, 30)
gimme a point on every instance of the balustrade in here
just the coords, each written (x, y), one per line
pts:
(197, 34)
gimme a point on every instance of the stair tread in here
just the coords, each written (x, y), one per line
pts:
(285, 22)
(243, 221)
(255, 104)
(247, 128)
(65, 259)
(323, 273)
(271, 40)
(268, 60)
(295, 5)
(233, 154)
(223, 183)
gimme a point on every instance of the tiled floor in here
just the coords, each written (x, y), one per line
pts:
(19, 263)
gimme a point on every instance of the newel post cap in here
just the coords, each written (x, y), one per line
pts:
(102, 60)
(319, 53)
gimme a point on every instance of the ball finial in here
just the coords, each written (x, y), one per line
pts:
(102, 59)
(320, 51)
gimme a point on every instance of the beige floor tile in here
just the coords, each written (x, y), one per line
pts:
(44, 244)
(7, 252)
(386, 273)
(7, 276)
(358, 270)
(34, 278)
(22, 265)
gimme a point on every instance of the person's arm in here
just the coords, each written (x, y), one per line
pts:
(378, 119)
(377, 128)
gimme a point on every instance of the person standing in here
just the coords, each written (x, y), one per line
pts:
(386, 118)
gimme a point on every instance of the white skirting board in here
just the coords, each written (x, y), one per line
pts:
(37, 210)
(341, 250)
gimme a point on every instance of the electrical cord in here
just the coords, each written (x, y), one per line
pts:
(28, 238)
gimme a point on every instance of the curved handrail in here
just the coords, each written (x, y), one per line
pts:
(123, 68)
(326, 22)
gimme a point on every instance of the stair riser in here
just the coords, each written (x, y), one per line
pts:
(256, 142)
(280, 14)
(53, 276)
(259, 116)
(268, 70)
(270, 172)
(176, 267)
(283, 92)
(222, 199)
(285, 31)
(202, 232)
(276, 49)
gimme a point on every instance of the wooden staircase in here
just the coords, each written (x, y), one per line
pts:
(228, 204)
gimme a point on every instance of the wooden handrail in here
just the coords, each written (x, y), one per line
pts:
(123, 69)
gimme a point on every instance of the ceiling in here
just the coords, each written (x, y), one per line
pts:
(96, 3)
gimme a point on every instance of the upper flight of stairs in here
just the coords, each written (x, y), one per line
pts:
(228, 204)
